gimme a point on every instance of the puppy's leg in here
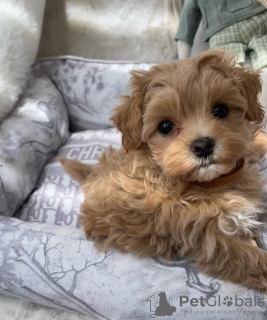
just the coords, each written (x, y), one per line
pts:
(259, 145)
(76, 170)
(234, 260)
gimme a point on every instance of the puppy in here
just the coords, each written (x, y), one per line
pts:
(183, 183)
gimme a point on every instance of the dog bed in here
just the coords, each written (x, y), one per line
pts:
(44, 255)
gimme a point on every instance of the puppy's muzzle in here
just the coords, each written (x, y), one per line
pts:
(203, 147)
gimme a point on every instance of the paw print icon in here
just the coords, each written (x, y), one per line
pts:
(228, 301)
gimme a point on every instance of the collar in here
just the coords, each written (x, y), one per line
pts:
(224, 179)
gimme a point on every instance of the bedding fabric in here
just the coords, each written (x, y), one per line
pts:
(58, 267)
(90, 88)
(28, 138)
(57, 198)
(45, 257)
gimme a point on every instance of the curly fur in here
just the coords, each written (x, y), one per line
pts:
(148, 197)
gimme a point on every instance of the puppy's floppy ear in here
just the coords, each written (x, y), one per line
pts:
(250, 87)
(213, 58)
(248, 80)
(128, 116)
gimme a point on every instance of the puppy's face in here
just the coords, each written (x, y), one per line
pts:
(196, 117)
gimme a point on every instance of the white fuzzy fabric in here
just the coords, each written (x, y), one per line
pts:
(20, 27)
(18, 309)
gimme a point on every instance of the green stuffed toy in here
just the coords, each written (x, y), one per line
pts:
(236, 26)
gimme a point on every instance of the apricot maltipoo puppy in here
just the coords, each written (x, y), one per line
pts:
(184, 182)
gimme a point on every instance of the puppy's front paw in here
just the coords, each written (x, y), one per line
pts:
(256, 270)
(241, 262)
(252, 271)
(256, 281)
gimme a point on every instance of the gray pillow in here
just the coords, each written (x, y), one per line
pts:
(90, 88)
(57, 198)
(28, 139)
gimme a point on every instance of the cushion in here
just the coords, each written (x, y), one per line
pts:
(58, 267)
(57, 198)
(28, 139)
(90, 88)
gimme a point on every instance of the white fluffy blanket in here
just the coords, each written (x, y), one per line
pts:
(20, 28)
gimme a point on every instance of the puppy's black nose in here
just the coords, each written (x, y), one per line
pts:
(203, 147)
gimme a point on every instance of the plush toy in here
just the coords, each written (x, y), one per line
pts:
(20, 31)
(235, 26)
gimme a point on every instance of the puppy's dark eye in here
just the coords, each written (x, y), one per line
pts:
(165, 127)
(220, 111)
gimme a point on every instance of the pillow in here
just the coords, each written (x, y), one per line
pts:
(57, 198)
(28, 139)
(90, 88)
(58, 267)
